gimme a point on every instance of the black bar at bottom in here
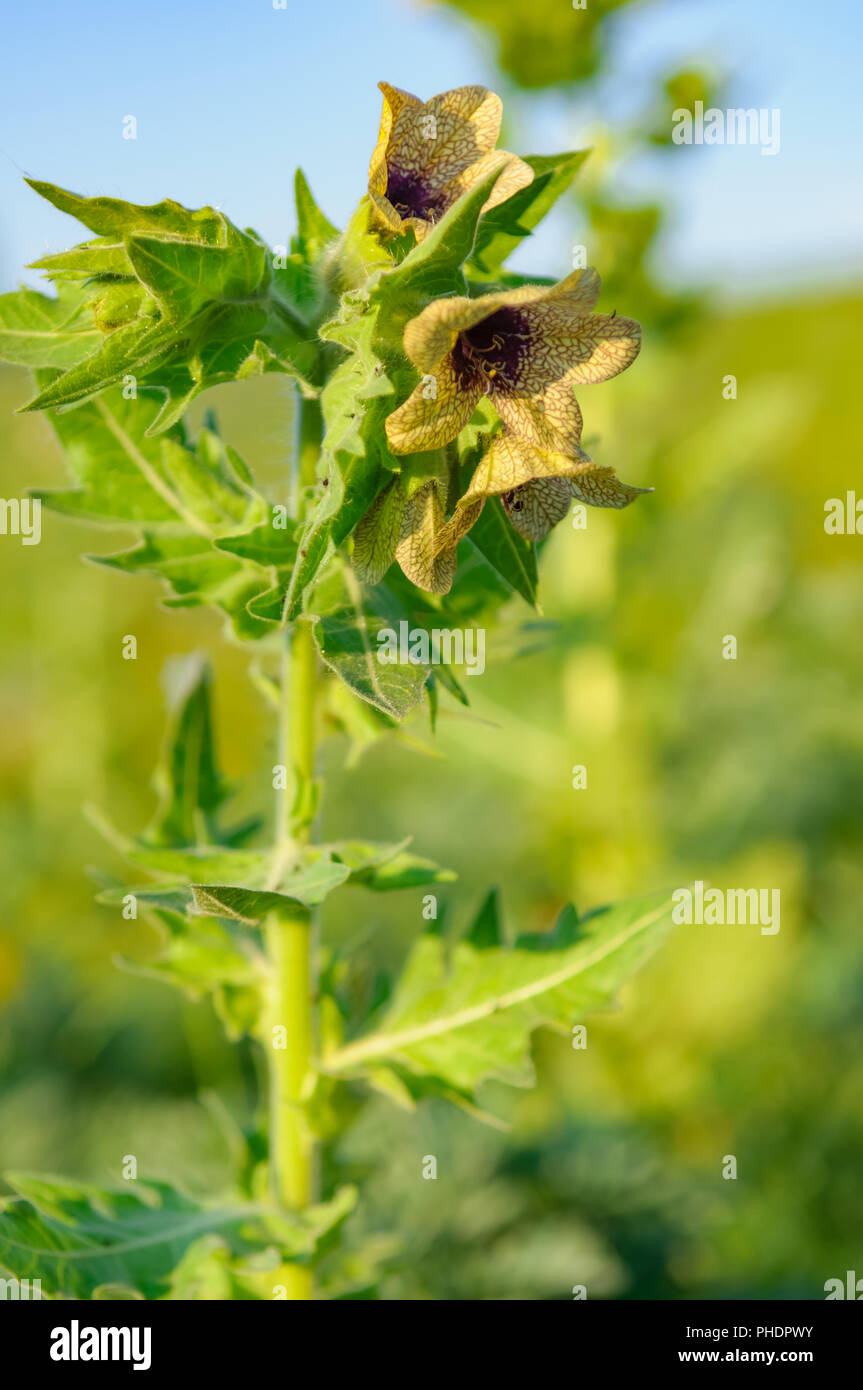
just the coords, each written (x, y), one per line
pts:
(67, 1339)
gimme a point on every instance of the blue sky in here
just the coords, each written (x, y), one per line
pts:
(229, 95)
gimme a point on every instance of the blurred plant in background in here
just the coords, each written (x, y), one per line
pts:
(544, 44)
(551, 46)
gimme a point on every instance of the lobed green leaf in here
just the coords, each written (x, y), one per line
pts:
(466, 1012)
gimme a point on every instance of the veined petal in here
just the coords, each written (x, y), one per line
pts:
(536, 485)
(437, 409)
(529, 347)
(396, 102)
(587, 348)
(421, 227)
(397, 128)
(384, 215)
(510, 463)
(419, 550)
(432, 334)
(399, 108)
(462, 519)
(515, 174)
(601, 487)
(580, 289)
(550, 420)
(537, 506)
(467, 120)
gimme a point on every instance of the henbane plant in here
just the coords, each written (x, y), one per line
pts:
(438, 440)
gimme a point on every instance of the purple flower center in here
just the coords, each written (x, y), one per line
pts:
(411, 197)
(493, 349)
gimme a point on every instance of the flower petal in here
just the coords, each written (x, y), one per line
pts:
(584, 347)
(384, 216)
(437, 409)
(462, 519)
(432, 334)
(537, 506)
(468, 124)
(400, 111)
(601, 487)
(550, 420)
(558, 344)
(510, 463)
(396, 102)
(419, 550)
(515, 174)
(580, 289)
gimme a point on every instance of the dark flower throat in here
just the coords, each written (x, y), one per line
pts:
(493, 349)
(411, 197)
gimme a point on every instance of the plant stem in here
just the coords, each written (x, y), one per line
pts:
(289, 935)
(288, 940)
(309, 428)
(289, 946)
(302, 688)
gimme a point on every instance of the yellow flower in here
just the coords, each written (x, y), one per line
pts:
(536, 486)
(408, 521)
(431, 152)
(525, 348)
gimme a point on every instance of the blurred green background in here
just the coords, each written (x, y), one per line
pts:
(746, 773)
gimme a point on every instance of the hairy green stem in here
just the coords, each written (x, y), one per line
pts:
(289, 936)
(309, 428)
(289, 942)
(292, 1156)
